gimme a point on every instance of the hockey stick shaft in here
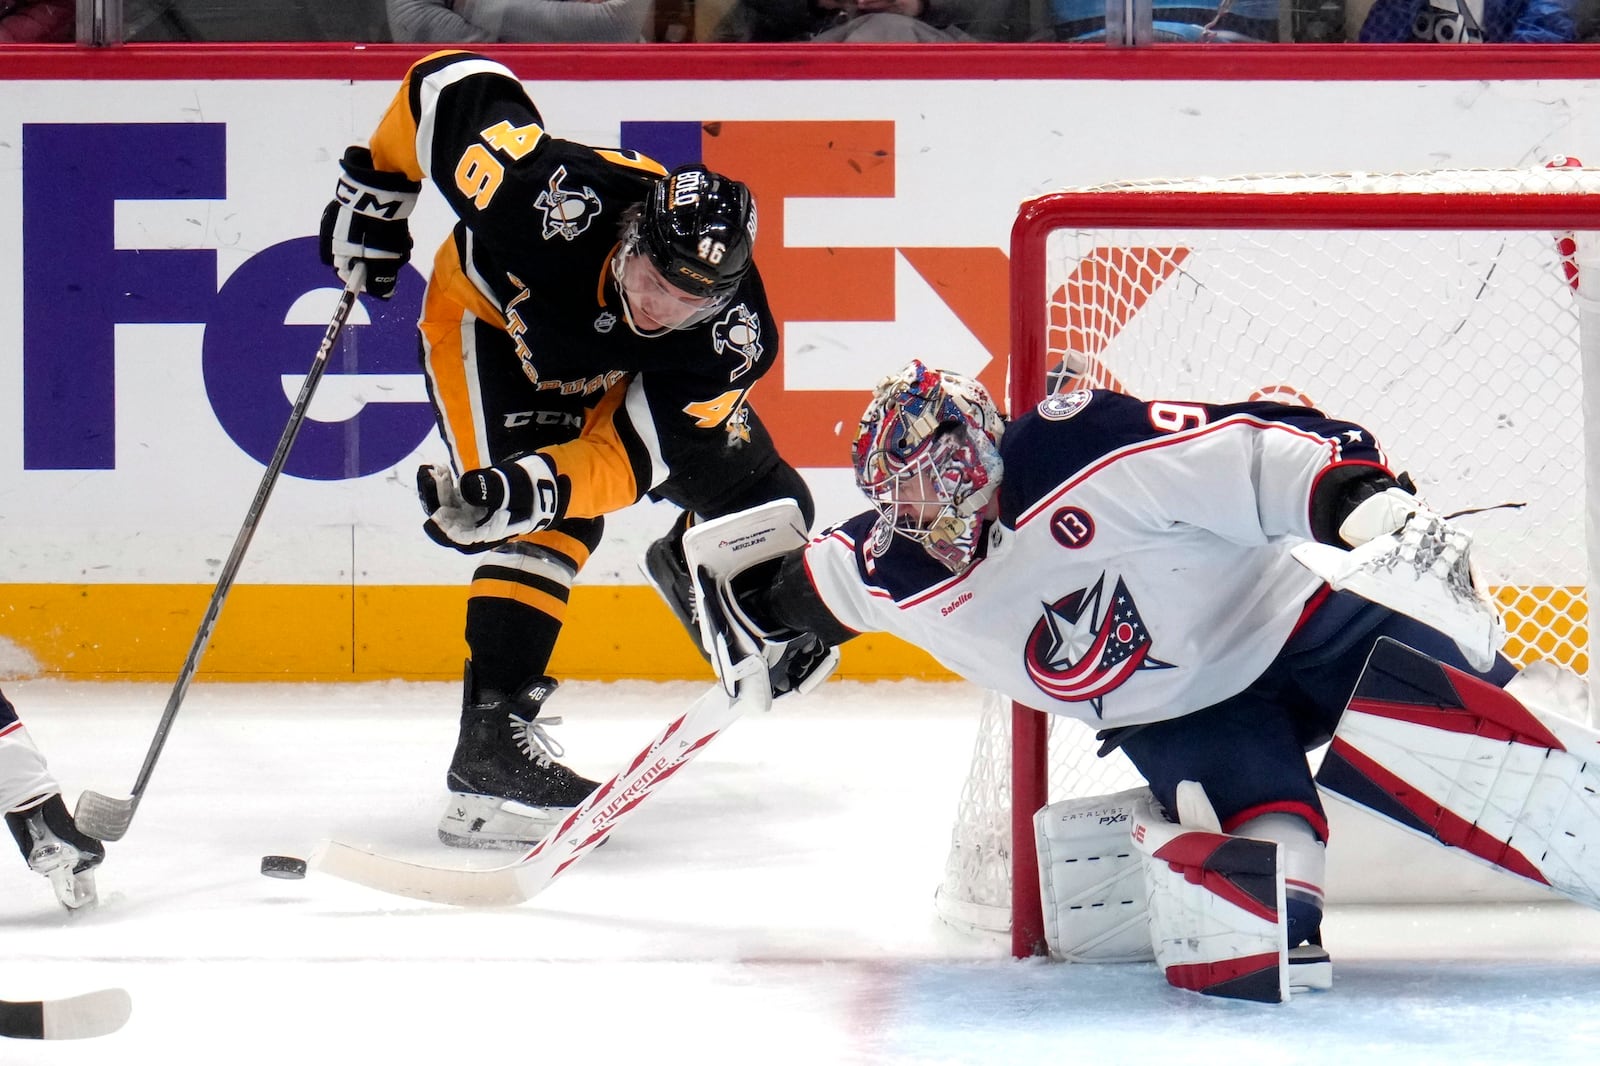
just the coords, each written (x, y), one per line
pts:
(107, 818)
(578, 834)
(74, 1018)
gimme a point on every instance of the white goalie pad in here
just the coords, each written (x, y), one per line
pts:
(1216, 904)
(1091, 879)
(719, 549)
(1423, 571)
(1447, 756)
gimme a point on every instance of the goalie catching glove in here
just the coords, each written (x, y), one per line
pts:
(489, 506)
(730, 559)
(366, 222)
(1411, 560)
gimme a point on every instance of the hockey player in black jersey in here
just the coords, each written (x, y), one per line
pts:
(590, 335)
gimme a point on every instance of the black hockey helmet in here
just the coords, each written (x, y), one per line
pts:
(699, 229)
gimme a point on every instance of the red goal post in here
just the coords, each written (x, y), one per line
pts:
(1434, 307)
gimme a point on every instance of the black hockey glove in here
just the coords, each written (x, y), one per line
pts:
(799, 658)
(366, 222)
(489, 506)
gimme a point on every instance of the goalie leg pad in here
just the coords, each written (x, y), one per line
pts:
(1304, 869)
(1456, 759)
(1216, 904)
(1091, 879)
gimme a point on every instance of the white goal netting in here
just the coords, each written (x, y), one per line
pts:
(1437, 309)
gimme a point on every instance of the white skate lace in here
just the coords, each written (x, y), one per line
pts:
(535, 741)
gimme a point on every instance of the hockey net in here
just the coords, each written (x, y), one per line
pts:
(1438, 309)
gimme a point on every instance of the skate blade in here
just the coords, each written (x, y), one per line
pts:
(473, 821)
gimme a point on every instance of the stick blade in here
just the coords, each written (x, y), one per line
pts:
(103, 817)
(74, 1018)
(494, 887)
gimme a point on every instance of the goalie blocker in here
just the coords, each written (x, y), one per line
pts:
(729, 559)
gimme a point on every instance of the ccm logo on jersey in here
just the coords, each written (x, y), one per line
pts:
(518, 419)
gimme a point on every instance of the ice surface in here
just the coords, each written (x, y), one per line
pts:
(772, 905)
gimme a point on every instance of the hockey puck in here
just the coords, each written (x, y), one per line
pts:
(285, 866)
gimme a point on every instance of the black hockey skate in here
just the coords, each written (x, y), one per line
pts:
(53, 846)
(506, 789)
(668, 574)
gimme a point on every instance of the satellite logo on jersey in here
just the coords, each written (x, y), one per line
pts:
(739, 332)
(567, 212)
(1061, 406)
(1077, 654)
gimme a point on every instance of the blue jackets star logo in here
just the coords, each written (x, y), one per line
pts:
(1078, 654)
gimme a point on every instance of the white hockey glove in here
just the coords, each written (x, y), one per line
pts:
(1410, 559)
(1380, 513)
(489, 506)
(53, 846)
(366, 222)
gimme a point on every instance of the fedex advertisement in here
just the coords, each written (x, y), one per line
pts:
(163, 300)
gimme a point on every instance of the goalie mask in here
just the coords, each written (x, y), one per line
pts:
(928, 457)
(685, 250)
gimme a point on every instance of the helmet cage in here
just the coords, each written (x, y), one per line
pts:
(927, 457)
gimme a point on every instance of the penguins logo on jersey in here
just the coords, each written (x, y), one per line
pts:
(1078, 654)
(739, 332)
(567, 212)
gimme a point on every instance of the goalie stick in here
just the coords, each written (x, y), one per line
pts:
(108, 818)
(74, 1018)
(578, 834)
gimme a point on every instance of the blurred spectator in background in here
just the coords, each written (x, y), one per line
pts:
(485, 21)
(1468, 21)
(1198, 21)
(37, 21)
(874, 20)
(253, 20)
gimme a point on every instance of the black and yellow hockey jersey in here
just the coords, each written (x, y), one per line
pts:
(539, 219)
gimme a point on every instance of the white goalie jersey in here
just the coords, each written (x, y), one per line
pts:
(1140, 568)
(23, 773)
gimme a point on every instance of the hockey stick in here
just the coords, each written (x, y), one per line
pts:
(73, 1018)
(579, 833)
(102, 816)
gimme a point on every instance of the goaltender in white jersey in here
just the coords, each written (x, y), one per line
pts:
(31, 800)
(1212, 586)
(1139, 568)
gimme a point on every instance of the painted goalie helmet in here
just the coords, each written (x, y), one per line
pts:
(927, 455)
